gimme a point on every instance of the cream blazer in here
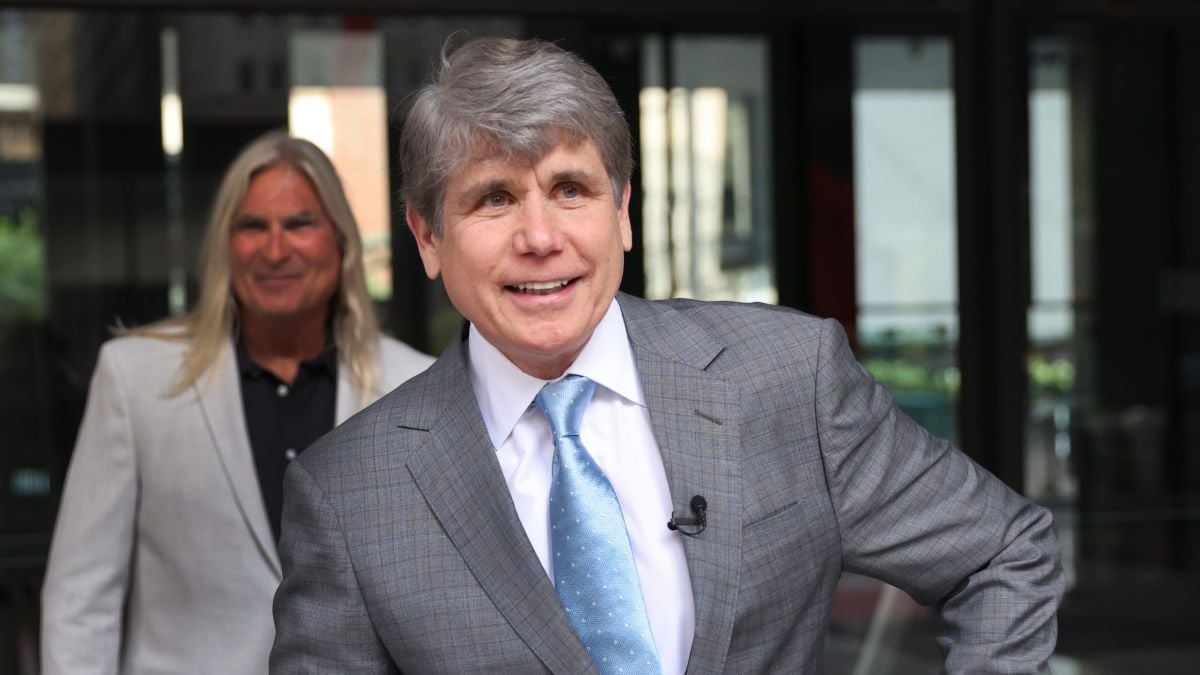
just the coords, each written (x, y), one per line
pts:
(162, 559)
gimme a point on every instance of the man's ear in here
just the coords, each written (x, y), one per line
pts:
(427, 242)
(623, 217)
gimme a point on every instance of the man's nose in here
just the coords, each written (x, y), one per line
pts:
(276, 246)
(540, 232)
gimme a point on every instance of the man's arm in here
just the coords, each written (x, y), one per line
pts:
(915, 512)
(87, 574)
(321, 620)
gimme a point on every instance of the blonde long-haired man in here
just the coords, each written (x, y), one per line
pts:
(164, 555)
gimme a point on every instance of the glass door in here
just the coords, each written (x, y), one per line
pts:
(905, 223)
(705, 167)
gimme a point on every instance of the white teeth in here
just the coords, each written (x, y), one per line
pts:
(542, 285)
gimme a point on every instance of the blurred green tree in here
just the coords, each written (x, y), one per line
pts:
(22, 296)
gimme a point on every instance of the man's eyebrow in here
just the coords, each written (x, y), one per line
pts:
(300, 217)
(576, 176)
(476, 191)
(245, 219)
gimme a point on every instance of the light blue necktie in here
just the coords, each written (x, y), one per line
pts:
(594, 572)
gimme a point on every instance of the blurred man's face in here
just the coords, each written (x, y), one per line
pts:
(531, 255)
(285, 261)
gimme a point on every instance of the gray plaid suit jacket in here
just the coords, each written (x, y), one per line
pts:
(402, 550)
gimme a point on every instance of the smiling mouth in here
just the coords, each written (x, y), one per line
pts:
(540, 287)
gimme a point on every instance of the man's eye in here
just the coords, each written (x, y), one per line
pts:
(299, 223)
(571, 191)
(495, 201)
(249, 225)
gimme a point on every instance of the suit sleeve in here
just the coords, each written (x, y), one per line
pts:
(321, 620)
(87, 574)
(919, 514)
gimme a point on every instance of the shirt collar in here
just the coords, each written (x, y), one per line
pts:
(325, 362)
(504, 391)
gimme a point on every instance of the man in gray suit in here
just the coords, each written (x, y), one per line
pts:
(164, 556)
(586, 481)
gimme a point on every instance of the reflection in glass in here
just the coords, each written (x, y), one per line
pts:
(337, 100)
(1053, 357)
(704, 158)
(1111, 331)
(904, 202)
(21, 256)
(22, 292)
(171, 108)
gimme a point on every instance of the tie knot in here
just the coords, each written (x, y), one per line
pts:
(563, 403)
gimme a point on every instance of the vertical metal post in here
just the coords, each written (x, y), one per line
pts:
(991, 110)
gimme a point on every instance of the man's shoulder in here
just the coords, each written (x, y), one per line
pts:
(719, 312)
(731, 323)
(164, 344)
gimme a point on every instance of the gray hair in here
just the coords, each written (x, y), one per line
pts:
(209, 325)
(515, 98)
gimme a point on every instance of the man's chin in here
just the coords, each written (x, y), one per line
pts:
(278, 312)
(547, 359)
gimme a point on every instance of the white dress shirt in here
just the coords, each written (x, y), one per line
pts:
(618, 435)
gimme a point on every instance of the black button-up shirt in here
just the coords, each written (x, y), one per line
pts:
(284, 419)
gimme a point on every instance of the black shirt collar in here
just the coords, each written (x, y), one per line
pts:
(324, 363)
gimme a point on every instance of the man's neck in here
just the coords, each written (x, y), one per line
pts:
(280, 346)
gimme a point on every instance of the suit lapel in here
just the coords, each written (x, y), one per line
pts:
(220, 396)
(695, 418)
(347, 399)
(460, 477)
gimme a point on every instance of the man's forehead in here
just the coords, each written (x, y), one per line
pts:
(489, 162)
